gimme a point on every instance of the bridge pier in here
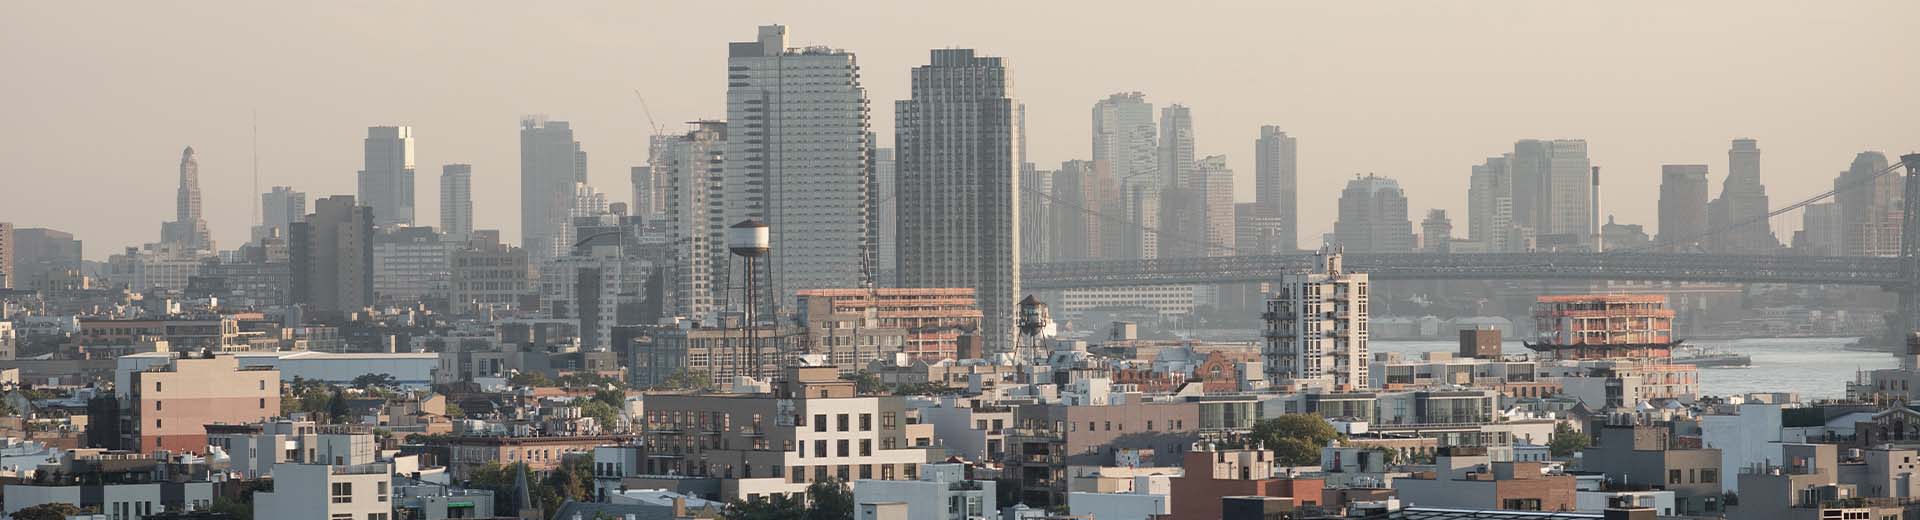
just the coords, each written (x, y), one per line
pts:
(1908, 313)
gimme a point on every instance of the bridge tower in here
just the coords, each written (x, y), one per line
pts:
(1908, 314)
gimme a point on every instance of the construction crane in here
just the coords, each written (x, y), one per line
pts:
(657, 129)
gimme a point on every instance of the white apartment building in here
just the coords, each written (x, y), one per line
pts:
(115, 501)
(1167, 300)
(325, 492)
(255, 450)
(943, 492)
(1316, 328)
(798, 158)
(695, 205)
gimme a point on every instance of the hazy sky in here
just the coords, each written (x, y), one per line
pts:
(100, 99)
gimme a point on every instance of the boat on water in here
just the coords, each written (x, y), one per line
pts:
(1701, 357)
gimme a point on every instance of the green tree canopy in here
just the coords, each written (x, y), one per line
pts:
(1295, 438)
(51, 511)
(1566, 440)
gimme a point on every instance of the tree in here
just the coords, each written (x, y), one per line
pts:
(455, 411)
(529, 379)
(776, 508)
(613, 398)
(831, 500)
(1566, 440)
(376, 381)
(1295, 438)
(237, 507)
(337, 407)
(50, 511)
(864, 382)
(686, 380)
(573, 480)
(605, 414)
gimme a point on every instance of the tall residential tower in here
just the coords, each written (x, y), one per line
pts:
(959, 187)
(799, 159)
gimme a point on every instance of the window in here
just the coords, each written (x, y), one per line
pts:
(820, 448)
(799, 474)
(1521, 504)
(381, 488)
(887, 420)
(842, 472)
(842, 444)
(1149, 425)
(1709, 475)
(1673, 476)
(866, 447)
(841, 420)
(343, 492)
(156, 386)
(866, 471)
(341, 516)
(263, 384)
(886, 472)
(866, 422)
(263, 403)
(158, 422)
(376, 516)
(156, 406)
(819, 422)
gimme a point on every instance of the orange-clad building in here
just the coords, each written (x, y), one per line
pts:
(1213, 473)
(934, 319)
(1604, 326)
(167, 406)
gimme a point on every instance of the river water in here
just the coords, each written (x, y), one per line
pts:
(1815, 368)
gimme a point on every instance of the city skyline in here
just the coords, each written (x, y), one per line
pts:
(1336, 99)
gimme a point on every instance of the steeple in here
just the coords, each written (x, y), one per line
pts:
(188, 228)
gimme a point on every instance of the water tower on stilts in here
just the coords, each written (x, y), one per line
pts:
(750, 240)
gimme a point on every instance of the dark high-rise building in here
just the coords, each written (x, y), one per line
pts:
(331, 255)
(1276, 178)
(1683, 206)
(1739, 215)
(958, 174)
(1373, 217)
(188, 229)
(386, 180)
(551, 163)
(456, 201)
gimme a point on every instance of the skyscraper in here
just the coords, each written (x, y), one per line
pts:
(1176, 144)
(1036, 214)
(1316, 329)
(1821, 231)
(1436, 232)
(1570, 192)
(1212, 180)
(456, 202)
(188, 229)
(386, 181)
(694, 163)
(1553, 192)
(1276, 183)
(1683, 206)
(886, 186)
(1373, 217)
(958, 173)
(279, 208)
(1076, 200)
(1739, 214)
(1490, 207)
(1870, 206)
(798, 158)
(551, 162)
(332, 257)
(1125, 142)
(641, 179)
(7, 280)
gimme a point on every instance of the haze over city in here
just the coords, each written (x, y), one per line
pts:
(104, 98)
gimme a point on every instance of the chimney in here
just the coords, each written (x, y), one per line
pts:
(679, 506)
